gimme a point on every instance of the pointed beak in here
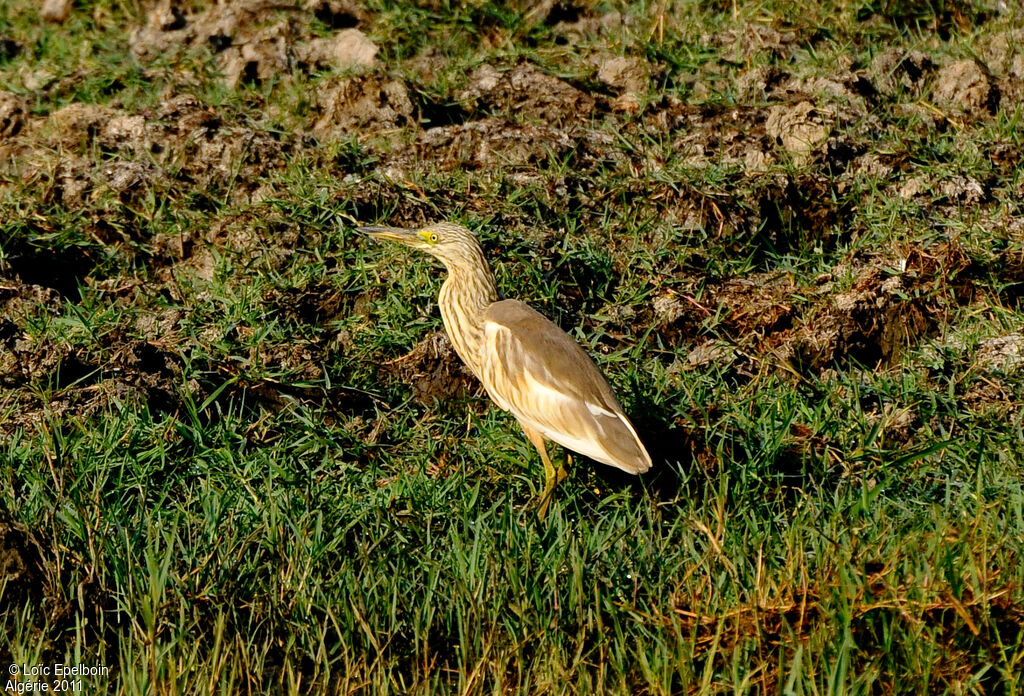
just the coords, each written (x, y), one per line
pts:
(392, 234)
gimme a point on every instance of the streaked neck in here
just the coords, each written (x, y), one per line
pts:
(465, 296)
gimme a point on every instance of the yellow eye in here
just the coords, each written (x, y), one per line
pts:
(432, 238)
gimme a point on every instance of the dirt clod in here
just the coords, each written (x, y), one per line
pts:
(750, 39)
(758, 83)
(1001, 353)
(364, 103)
(869, 323)
(710, 352)
(12, 114)
(1010, 269)
(966, 86)
(990, 397)
(122, 177)
(55, 11)
(346, 49)
(628, 75)
(734, 137)
(433, 370)
(963, 190)
(1004, 56)
(492, 143)
(800, 129)
(77, 122)
(528, 93)
(483, 80)
(896, 68)
(169, 26)
(126, 132)
(256, 40)
(71, 182)
(624, 73)
(264, 55)
(882, 314)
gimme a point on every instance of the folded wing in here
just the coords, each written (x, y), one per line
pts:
(533, 369)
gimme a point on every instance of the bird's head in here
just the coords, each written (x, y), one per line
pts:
(453, 244)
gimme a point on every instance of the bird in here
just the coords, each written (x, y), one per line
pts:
(526, 363)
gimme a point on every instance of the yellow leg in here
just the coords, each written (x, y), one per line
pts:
(552, 476)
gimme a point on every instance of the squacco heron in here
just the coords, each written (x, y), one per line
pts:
(529, 366)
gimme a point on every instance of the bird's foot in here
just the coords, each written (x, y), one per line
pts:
(562, 472)
(553, 477)
(551, 480)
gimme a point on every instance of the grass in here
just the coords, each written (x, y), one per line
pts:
(220, 471)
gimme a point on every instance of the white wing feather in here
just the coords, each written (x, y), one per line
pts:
(517, 378)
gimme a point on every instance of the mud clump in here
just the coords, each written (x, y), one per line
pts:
(76, 124)
(895, 69)
(750, 39)
(55, 11)
(1004, 56)
(1004, 53)
(22, 302)
(317, 303)
(130, 132)
(623, 72)
(963, 190)
(273, 51)
(263, 55)
(433, 370)
(348, 48)
(882, 314)
(138, 373)
(752, 308)
(126, 180)
(707, 136)
(966, 86)
(12, 115)
(80, 383)
(360, 104)
(256, 40)
(1001, 353)
(990, 397)
(493, 143)
(525, 93)
(759, 83)
(813, 328)
(185, 141)
(628, 75)
(800, 129)
(759, 305)
(70, 183)
(371, 197)
(24, 361)
(869, 323)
